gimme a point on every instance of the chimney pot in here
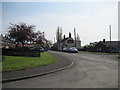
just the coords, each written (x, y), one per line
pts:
(69, 34)
(64, 36)
(103, 40)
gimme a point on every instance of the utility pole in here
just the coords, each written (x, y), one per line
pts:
(54, 40)
(110, 39)
(43, 34)
(75, 36)
(58, 37)
(58, 32)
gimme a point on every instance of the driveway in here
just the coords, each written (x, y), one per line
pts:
(89, 70)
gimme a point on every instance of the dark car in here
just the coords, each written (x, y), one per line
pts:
(45, 49)
(42, 49)
(73, 50)
(38, 48)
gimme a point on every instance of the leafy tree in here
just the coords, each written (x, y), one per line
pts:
(78, 37)
(91, 45)
(59, 34)
(48, 44)
(21, 33)
(40, 38)
(86, 46)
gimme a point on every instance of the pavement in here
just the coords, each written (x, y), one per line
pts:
(61, 64)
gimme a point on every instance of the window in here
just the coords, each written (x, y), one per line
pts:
(70, 41)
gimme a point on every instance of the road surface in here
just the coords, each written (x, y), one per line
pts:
(89, 70)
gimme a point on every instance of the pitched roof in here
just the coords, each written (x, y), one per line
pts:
(64, 39)
(113, 43)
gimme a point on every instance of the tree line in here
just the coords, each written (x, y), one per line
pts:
(23, 33)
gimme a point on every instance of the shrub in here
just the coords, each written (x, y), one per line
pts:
(21, 52)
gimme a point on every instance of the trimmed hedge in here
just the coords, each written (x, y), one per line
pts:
(21, 52)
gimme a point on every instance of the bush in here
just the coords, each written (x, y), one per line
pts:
(21, 52)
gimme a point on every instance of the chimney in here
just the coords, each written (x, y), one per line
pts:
(64, 36)
(103, 40)
(69, 34)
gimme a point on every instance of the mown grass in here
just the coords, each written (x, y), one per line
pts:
(0, 66)
(13, 63)
(102, 53)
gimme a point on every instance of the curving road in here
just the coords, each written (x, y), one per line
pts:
(88, 71)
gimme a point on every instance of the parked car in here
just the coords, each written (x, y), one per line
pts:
(64, 49)
(33, 48)
(42, 49)
(38, 48)
(45, 49)
(73, 50)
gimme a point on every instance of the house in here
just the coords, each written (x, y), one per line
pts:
(5, 42)
(42, 42)
(67, 43)
(54, 47)
(107, 46)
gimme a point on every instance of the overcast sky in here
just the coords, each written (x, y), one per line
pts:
(91, 19)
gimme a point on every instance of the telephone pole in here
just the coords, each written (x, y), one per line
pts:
(110, 39)
(75, 36)
(54, 40)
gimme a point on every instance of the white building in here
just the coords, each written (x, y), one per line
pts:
(68, 42)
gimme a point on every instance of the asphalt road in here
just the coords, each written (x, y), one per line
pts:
(88, 71)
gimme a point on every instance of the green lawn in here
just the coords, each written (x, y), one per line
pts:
(13, 63)
(0, 66)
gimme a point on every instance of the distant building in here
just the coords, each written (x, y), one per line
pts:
(5, 42)
(67, 43)
(105, 46)
(41, 42)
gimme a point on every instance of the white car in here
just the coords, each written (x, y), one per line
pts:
(73, 50)
(64, 49)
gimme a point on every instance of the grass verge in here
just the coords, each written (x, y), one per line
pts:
(95, 52)
(13, 63)
(0, 66)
